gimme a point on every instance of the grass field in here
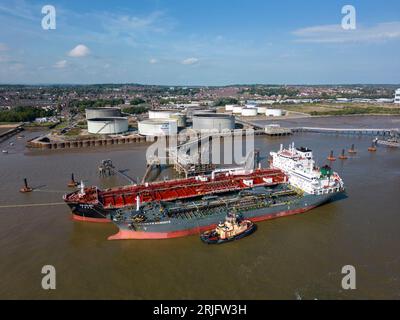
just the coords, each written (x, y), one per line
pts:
(343, 109)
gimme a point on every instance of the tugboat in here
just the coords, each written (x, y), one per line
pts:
(234, 228)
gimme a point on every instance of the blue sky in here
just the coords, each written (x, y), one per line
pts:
(200, 42)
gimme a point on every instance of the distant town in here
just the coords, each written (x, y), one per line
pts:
(91, 112)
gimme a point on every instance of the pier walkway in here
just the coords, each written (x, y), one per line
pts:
(349, 131)
(12, 131)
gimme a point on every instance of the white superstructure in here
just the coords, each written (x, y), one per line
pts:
(397, 96)
(300, 167)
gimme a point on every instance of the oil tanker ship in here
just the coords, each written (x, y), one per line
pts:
(94, 205)
(303, 186)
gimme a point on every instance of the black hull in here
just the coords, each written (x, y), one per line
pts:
(91, 213)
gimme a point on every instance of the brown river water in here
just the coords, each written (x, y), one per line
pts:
(288, 258)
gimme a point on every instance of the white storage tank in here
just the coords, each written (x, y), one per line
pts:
(237, 110)
(92, 113)
(161, 114)
(229, 107)
(249, 112)
(397, 96)
(203, 111)
(158, 127)
(180, 119)
(274, 113)
(261, 110)
(109, 125)
(218, 122)
(251, 105)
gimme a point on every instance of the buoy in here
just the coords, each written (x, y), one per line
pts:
(26, 188)
(72, 183)
(343, 155)
(372, 148)
(331, 157)
(352, 150)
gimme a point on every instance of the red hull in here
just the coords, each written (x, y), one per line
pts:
(135, 235)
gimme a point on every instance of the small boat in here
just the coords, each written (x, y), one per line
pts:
(234, 228)
(5, 151)
(392, 142)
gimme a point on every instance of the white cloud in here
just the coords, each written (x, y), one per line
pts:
(61, 64)
(79, 51)
(336, 34)
(153, 61)
(190, 61)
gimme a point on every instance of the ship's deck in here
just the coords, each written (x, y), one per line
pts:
(178, 189)
(202, 208)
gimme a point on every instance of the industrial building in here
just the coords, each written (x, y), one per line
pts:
(108, 125)
(158, 127)
(219, 122)
(397, 96)
(92, 113)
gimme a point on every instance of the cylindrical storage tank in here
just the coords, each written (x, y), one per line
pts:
(161, 114)
(180, 119)
(251, 105)
(237, 110)
(261, 110)
(203, 111)
(274, 113)
(219, 122)
(229, 107)
(92, 113)
(249, 112)
(158, 127)
(114, 125)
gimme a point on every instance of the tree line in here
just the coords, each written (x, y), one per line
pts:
(24, 114)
